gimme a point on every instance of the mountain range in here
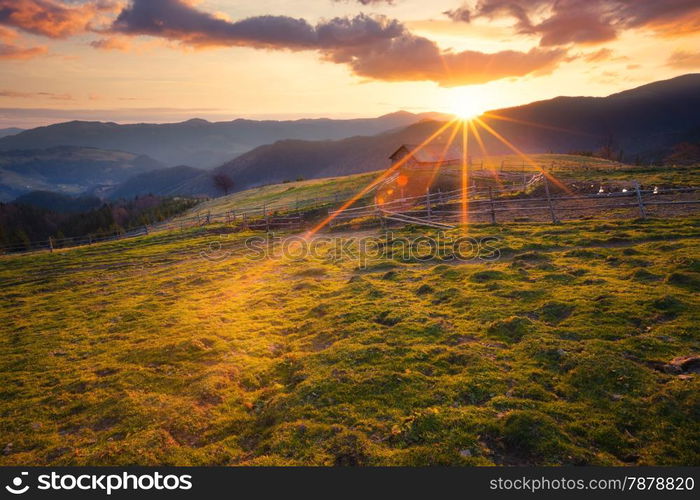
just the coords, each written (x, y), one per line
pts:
(197, 142)
(4, 132)
(640, 124)
(67, 169)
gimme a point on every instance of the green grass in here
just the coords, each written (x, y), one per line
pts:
(140, 352)
(287, 194)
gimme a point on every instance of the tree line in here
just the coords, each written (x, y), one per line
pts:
(21, 224)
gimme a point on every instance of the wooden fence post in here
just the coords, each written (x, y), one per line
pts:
(642, 211)
(493, 206)
(51, 244)
(382, 222)
(145, 228)
(208, 216)
(549, 201)
(427, 204)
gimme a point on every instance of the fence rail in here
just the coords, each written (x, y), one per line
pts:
(493, 205)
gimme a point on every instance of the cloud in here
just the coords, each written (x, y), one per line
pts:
(684, 59)
(180, 21)
(414, 58)
(54, 18)
(462, 14)
(562, 22)
(372, 46)
(368, 2)
(111, 43)
(33, 95)
(598, 55)
(10, 50)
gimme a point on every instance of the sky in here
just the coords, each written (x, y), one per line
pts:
(171, 60)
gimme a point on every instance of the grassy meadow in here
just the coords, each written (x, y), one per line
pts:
(287, 194)
(559, 352)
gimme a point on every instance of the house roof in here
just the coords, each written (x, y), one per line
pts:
(431, 153)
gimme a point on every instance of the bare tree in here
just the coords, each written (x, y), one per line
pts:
(223, 182)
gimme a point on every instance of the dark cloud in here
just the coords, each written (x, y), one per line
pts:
(53, 18)
(460, 14)
(561, 22)
(372, 46)
(178, 20)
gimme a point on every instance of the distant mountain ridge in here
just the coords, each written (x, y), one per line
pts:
(639, 123)
(4, 132)
(643, 122)
(197, 142)
(67, 169)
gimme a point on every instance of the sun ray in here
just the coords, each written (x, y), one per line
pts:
(379, 179)
(465, 174)
(491, 114)
(484, 153)
(522, 155)
(450, 140)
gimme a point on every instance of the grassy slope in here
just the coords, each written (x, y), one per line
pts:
(150, 355)
(567, 167)
(287, 193)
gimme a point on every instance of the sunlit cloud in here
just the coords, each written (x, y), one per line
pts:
(10, 49)
(54, 18)
(684, 59)
(598, 55)
(561, 22)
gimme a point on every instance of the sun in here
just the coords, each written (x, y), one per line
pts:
(467, 109)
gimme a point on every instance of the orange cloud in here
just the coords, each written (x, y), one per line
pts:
(598, 55)
(10, 50)
(684, 59)
(54, 18)
(561, 22)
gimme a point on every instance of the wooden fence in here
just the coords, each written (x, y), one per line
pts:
(494, 206)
